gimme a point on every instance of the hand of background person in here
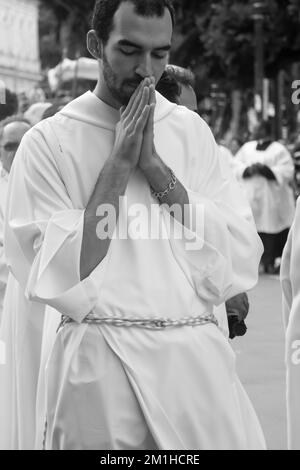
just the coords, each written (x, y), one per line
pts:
(130, 129)
(250, 171)
(237, 309)
(266, 172)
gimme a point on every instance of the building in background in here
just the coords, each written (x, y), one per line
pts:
(19, 44)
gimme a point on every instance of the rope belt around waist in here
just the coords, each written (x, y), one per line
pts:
(148, 323)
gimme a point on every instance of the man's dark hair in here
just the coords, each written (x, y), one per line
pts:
(169, 87)
(104, 11)
(183, 76)
(11, 105)
(172, 80)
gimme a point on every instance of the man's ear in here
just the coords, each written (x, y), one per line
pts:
(94, 45)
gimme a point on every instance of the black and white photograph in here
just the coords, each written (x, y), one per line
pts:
(149, 227)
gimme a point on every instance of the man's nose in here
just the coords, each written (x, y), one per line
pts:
(145, 68)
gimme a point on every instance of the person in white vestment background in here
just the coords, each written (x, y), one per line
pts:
(138, 361)
(12, 130)
(290, 282)
(266, 170)
(21, 324)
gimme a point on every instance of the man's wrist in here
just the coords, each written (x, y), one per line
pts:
(120, 163)
(157, 174)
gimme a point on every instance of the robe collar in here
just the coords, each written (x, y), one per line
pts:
(90, 109)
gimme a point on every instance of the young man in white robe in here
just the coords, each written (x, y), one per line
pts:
(139, 362)
(266, 170)
(290, 281)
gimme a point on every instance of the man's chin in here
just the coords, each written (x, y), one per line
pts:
(126, 94)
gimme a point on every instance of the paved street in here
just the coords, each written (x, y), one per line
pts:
(260, 360)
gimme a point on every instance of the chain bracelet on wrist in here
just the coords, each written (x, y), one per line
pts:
(161, 194)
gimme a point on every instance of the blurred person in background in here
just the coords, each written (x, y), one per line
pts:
(12, 130)
(10, 106)
(177, 85)
(266, 170)
(34, 113)
(296, 158)
(21, 323)
(234, 145)
(24, 102)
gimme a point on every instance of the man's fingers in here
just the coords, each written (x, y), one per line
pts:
(136, 98)
(149, 129)
(152, 94)
(132, 118)
(142, 120)
(152, 102)
(136, 106)
(151, 116)
(122, 110)
(133, 97)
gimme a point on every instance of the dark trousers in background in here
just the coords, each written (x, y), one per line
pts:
(273, 246)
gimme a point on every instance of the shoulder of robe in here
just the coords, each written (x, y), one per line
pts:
(193, 125)
(249, 145)
(246, 148)
(277, 146)
(39, 145)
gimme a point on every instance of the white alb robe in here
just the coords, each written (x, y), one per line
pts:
(290, 281)
(20, 338)
(272, 202)
(129, 388)
(21, 335)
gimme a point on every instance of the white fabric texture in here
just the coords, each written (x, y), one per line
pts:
(21, 336)
(272, 202)
(163, 379)
(290, 281)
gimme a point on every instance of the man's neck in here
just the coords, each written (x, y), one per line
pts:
(103, 93)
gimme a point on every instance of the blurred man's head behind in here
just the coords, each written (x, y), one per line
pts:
(12, 130)
(263, 131)
(10, 105)
(177, 85)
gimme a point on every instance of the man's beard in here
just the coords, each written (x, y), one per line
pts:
(120, 92)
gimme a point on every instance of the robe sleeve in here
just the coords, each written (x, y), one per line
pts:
(283, 167)
(43, 232)
(221, 250)
(285, 279)
(240, 162)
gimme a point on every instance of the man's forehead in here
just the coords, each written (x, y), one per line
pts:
(137, 28)
(15, 130)
(188, 97)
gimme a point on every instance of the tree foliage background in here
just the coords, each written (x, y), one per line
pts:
(213, 38)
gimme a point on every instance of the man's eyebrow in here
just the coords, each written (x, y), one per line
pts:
(125, 42)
